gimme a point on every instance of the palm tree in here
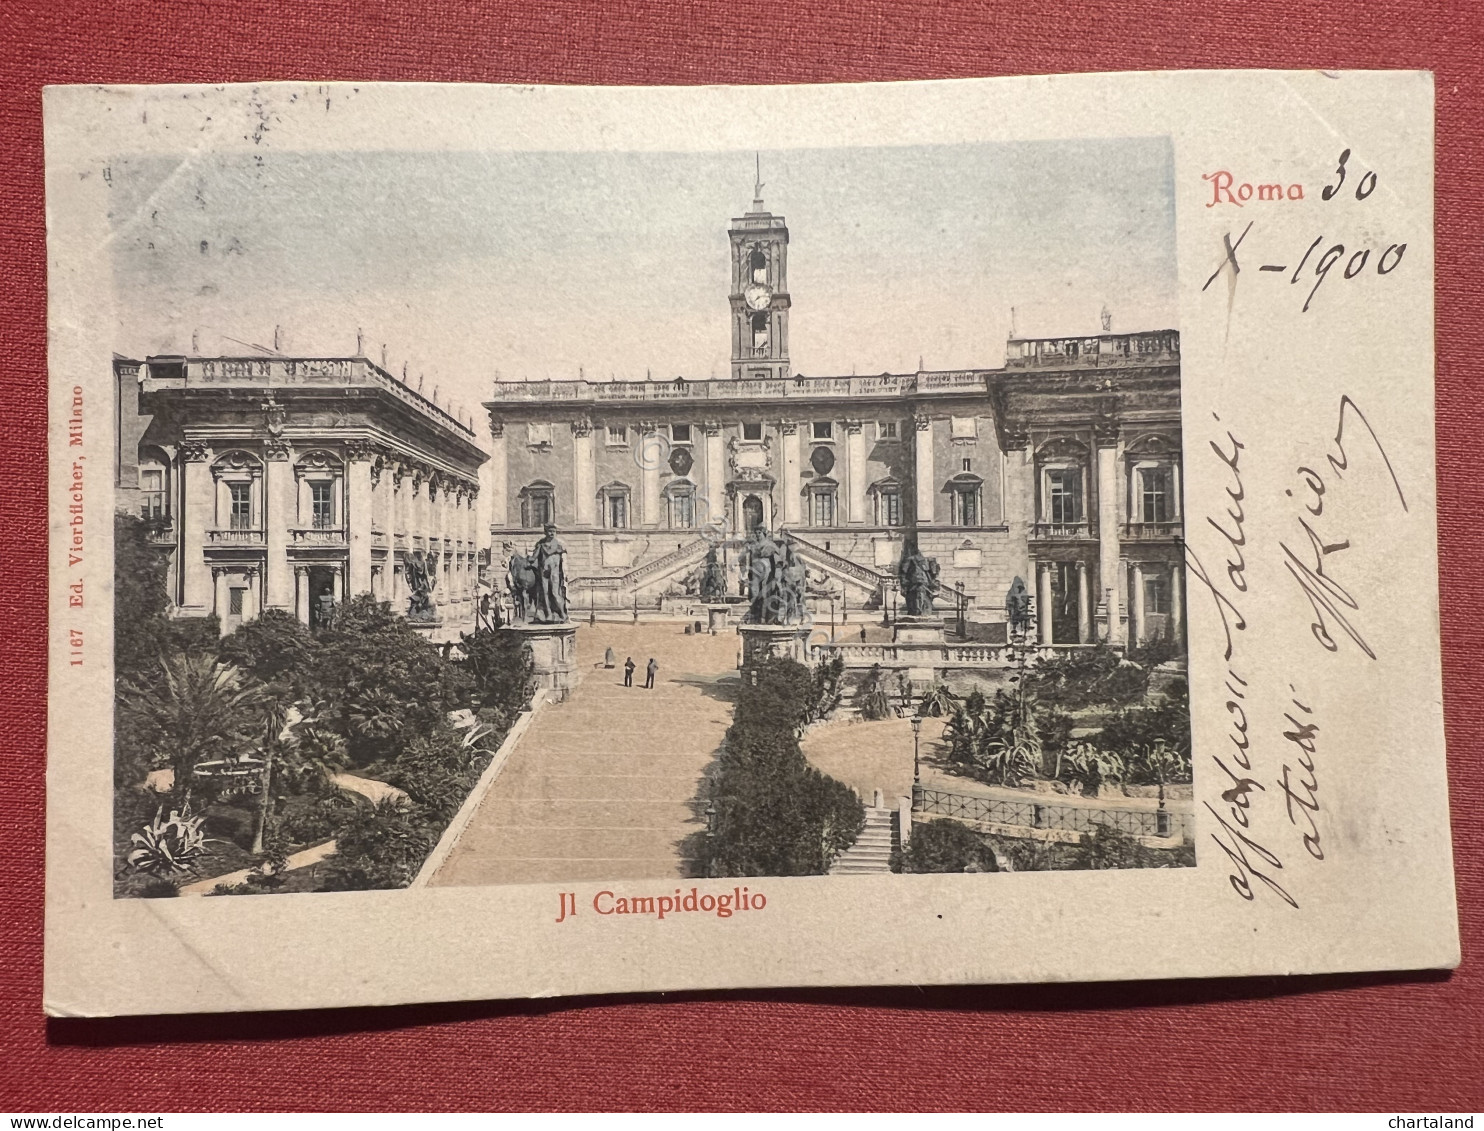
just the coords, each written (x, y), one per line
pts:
(197, 710)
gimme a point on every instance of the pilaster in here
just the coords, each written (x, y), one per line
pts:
(855, 464)
(278, 470)
(358, 515)
(792, 500)
(1108, 541)
(923, 470)
(198, 508)
(584, 481)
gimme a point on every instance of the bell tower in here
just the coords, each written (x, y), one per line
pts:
(759, 298)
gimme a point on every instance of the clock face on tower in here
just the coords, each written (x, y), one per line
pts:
(757, 296)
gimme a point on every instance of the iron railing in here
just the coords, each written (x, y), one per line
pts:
(1052, 815)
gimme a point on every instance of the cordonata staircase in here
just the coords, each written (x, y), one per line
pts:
(871, 852)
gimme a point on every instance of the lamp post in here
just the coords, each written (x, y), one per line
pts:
(916, 765)
(832, 618)
(962, 602)
(711, 839)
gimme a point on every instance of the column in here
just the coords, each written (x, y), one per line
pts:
(1177, 602)
(499, 470)
(716, 497)
(584, 482)
(357, 516)
(338, 584)
(252, 605)
(792, 503)
(1135, 604)
(198, 506)
(301, 593)
(278, 585)
(1084, 606)
(1108, 542)
(1043, 601)
(219, 605)
(396, 505)
(651, 451)
(855, 463)
(923, 472)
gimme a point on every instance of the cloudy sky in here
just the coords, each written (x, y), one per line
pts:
(473, 267)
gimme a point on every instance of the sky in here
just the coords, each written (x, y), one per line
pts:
(474, 267)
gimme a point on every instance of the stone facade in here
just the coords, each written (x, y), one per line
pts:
(294, 483)
(1060, 465)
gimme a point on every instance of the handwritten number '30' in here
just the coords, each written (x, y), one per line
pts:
(1364, 189)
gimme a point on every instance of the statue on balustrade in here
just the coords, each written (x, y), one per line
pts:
(713, 579)
(917, 576)
(1018, 607)
(775, 580)
(421, 581)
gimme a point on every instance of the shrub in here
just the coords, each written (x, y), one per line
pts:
(435, 770)
(825, 692)
(501, 672)
(874, 700)
(777, 692)
(1107, 848)
(381, 679)
(775, 815)
(273, 648)
(1086, 677)
(945, 846)
(1155, 739)
(379, 847)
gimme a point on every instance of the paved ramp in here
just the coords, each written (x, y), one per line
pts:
(603, 785)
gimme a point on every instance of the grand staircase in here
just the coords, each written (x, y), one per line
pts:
(618, 591)
(868, 583)
(871, 852)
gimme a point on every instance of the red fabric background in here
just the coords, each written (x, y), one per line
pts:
(1394, 1042)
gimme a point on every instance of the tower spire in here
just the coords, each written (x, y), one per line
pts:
(757, 184)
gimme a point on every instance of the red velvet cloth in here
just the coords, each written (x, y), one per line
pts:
(1391, 1042)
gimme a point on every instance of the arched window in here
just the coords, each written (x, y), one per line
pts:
(760, 333)
(1153, 484)
(965, 492)
(822, 496)
(886, 495)
(680, 496)
(1061, 467)
(537, 505)
(757, 264)
(321, 479)
(238, 478)
(613, 501)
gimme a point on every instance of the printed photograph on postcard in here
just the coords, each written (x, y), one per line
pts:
(531, 541)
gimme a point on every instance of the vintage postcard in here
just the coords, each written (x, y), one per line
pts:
(529, 541)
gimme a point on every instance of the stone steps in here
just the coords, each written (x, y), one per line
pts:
(871, 852)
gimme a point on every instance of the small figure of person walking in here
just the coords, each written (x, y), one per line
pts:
(609, 659)
(649, 670)
(628, 672)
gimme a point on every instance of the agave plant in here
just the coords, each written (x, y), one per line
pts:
(1093, 766)
(168, 845)
(937, 701)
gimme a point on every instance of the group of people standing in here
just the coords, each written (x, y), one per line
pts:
(611, 660)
